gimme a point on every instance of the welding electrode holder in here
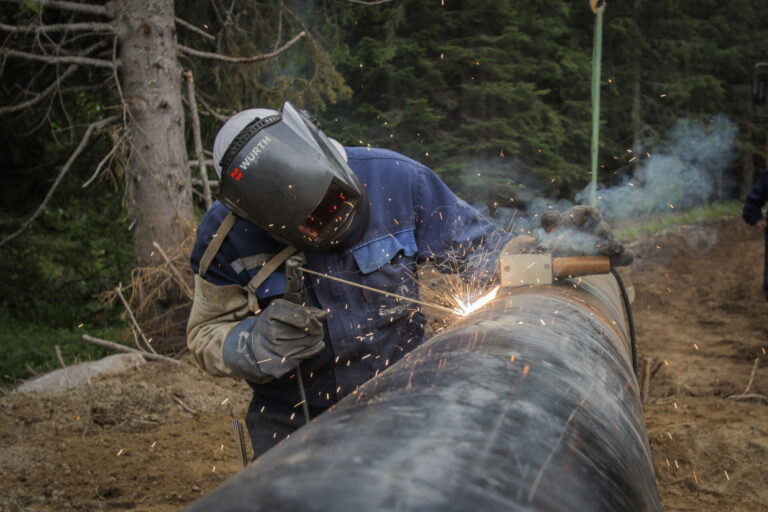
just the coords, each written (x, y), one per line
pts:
(297, 294)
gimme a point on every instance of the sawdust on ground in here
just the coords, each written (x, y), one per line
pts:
(131, 442)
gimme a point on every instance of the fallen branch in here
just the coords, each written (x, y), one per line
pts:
(31, 370)
(181, 403)
(752, 375)
(133, 319)
(746, 396)
(369, 2)
(645, 389)
(58, 356)
(83, 143)
(252, 58)
(750, 398)
(122, 348)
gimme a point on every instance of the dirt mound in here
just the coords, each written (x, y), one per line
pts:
(158, 437)
(152, 439)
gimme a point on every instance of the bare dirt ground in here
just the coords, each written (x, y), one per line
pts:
(128, 443)
(702, 317)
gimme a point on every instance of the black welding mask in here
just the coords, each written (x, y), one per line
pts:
(283, 174)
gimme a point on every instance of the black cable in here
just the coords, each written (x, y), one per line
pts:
(630, 320)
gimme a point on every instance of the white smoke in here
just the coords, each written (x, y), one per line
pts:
(687, 171)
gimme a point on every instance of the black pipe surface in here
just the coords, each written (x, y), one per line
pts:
(528, 404)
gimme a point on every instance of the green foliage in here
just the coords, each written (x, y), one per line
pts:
(651, 226)
(26, 344)
(461, 84)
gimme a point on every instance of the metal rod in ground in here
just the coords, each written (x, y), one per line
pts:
(237, 428)
(302, 393)
(382, 292)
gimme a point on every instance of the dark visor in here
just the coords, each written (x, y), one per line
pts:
(332, 212)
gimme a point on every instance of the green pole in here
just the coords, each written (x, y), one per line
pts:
(597, 53)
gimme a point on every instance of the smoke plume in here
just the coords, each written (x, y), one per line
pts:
(687, 171)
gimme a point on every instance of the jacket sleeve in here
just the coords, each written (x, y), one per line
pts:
(449, 229)
(216, 311)
(756, 198)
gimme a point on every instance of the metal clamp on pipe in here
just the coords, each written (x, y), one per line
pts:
(542, 269)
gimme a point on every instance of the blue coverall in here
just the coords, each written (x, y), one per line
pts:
(413, 217)
(756, 198)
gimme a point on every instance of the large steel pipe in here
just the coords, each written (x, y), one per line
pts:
(528, 404)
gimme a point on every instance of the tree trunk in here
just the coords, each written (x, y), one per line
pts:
(158, 183)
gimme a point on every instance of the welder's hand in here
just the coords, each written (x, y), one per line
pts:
(275, 342)
(581, 231)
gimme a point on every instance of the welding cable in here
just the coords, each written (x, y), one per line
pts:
(630, 320)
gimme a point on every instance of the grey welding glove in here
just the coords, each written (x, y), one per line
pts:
(581, 231)
(275, 342)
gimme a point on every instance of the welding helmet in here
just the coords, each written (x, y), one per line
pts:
(278, 170)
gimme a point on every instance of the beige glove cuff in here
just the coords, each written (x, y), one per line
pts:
(216, 310)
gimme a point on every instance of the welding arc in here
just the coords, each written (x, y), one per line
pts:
(376, 290)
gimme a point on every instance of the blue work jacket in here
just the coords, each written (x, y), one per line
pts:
(413, 217)
(756, 198)
(753, 212)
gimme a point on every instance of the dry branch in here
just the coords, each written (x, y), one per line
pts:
(61, 59)
(99, 10)
(58, 356)
(194, 29)
(211, 111)
(181, 403)
(59, 27)
(645, 389)
(103, 161)
(369, 2)
(83, 143)
(133, 319)
(199, 183)
(190, 80)
(122, 348)
(175, 272)
(252, 58)
(752, 375)
(42, 94)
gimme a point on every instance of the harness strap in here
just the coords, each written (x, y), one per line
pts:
(268, 268)
(216, 242)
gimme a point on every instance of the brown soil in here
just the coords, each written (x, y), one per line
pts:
(126, 444)
(702, 318)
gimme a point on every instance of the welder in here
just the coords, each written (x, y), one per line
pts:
(362, 214)
(753, 214)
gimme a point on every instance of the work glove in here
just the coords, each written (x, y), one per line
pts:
(275, 342)
(581, 231)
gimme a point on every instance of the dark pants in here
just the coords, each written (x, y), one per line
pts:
(271, 421)
(765, 273)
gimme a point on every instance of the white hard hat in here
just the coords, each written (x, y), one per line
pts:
(235, 125)
(232, 128)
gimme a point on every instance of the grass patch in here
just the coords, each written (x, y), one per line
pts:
(653, 224)
(25, 345)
